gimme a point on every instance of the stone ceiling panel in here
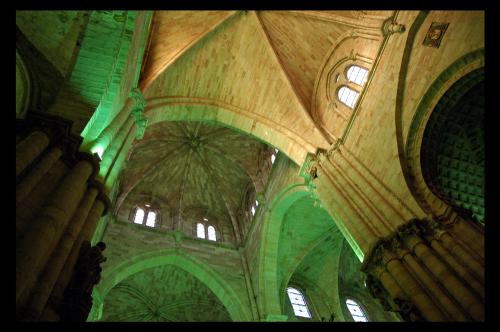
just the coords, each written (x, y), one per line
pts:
(195, 165)
(235, 64)
(149, 296)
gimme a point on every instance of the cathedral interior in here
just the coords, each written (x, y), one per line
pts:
(244, 166)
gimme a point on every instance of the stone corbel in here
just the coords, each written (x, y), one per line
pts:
(138, 112)
(390, 26)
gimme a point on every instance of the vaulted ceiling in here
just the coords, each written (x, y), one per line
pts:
(150, 296)
(190, 166)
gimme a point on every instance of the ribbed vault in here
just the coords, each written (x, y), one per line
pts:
(193, 166)
(150, 296)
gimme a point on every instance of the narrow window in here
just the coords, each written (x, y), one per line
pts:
(211, 233)
(348, 96)
(253, 210)
(200, 230)
(139, 216)
(298, 302)
(273, 158)
(357, 75)
(151, 219)
(356, 312)
(256, 203)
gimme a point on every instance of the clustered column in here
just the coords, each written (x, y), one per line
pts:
(65, 214)
(423, 267)
(425, 273)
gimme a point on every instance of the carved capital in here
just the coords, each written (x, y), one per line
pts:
(139, 100)
(390, 26)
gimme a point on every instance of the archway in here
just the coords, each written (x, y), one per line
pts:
(216, 283)
(452, 151)
(269, 286)
(209, 110)
(442, 111)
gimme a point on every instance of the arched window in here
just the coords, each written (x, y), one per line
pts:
(273, 156)
(151, 219)
(357, 75)
(298, 302)
(348, 96)
(146, 215)
(200, 230)
(139, 216)
(211, 233)
(356, 312)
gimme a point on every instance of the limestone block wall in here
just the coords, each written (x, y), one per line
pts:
(283, 174)
(371, 138)
(222, 259)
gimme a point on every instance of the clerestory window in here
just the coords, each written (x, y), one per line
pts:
(348, 96)
(298, 303)
(356, 311)
(357, 75)
(203, 232)
(211, 233)
(200, 230)
(145, 216)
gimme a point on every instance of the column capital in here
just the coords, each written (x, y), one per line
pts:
(138, 98)
(390, 26)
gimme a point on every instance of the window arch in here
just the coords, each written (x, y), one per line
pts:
(151, 220)
(204, 232)
(200, 230)
(347, 96)
(298, 302)
(356, 311)
(146, 215)
(357, 75)
(273, 156)
(211, 233)
(139, 216)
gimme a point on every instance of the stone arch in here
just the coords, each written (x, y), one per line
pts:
(214, 111)
(269, 287)
(411, 162)
(215, 282)
(353, 48)
(23, 87)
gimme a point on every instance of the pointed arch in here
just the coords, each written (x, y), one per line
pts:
(269, 286)
(203, 272)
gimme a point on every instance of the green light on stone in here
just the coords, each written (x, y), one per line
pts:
(99, 150)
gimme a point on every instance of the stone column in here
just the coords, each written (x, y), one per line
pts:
(37, 173)
(30, 148)
(107, 136)
(117, 164)
(34, 248)
(446, 291)
(113, 149)
(99, 207)
(42, 290)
